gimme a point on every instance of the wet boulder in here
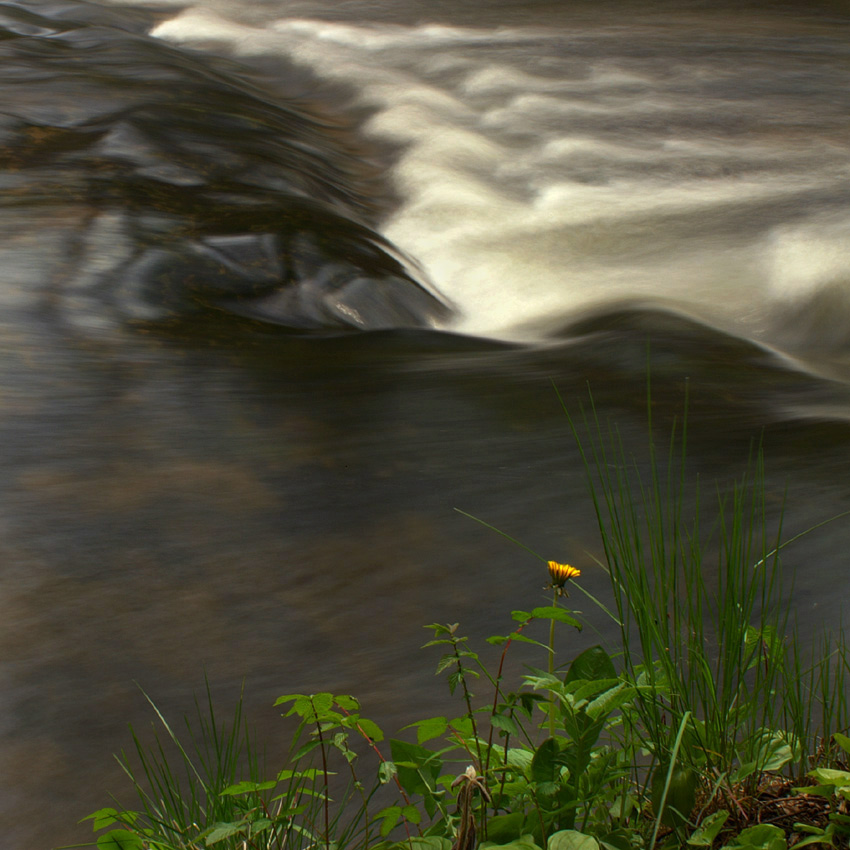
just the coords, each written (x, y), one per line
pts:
(195, 186)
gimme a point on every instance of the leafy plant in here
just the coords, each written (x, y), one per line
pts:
(665, 744)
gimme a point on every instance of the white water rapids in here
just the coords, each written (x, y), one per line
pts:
(547, 171)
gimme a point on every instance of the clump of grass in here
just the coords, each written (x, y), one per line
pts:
(671, 742)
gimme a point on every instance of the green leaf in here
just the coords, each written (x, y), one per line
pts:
(390, 817)
(224, 830)
(428, 729)
(842, 740)
(412, 814)
(552, 612)
(445, 662)
(120, 839)
(611, 700)
(370, 729)
(463, 726)
(681, 793)
(426, 842)
(545, 767)
(246, 787)
(828, 776)
(520, 758)
(593, 664)
(310, 773)
(347, 702)
(386, 771)
(102, 818)
(709, 829)
(504, 828)
(764, 836)
(569, 839)
(417, 767)
(506, 724)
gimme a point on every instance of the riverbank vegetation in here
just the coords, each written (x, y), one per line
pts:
(711, 726)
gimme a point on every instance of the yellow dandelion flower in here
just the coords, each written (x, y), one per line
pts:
(560, 574)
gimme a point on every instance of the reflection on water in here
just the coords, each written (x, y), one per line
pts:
(211, 493)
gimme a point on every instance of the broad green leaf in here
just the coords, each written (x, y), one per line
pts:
(520, 758)
(102, 818)
(428, 729)
(842, 740)
(570, 839)
(816, 790)
(764, 836)
(348, 702)
(370, 729)
(412, 814)
(709, 829)
(594, 663)
(545, 767)
(551, 612)
(463, 726)
(417, 767)
(828, 776)
(224, 830)
(120, 839)
(389, 818)
(681, 793)
(427, 842)
(505, 723)
(611, 700)
(504, 828)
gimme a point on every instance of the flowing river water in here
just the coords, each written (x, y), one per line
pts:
(286, 282)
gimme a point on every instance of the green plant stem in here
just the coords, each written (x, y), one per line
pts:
(552, 665)
(327, 793)
(468, 700)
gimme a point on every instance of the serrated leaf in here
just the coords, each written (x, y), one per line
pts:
(390, 817)
(611, 700)
(428, 729)
(102, 818)
(506, 724)
(412, 814)
(444, 663)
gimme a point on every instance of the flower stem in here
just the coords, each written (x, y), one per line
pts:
(552, 665)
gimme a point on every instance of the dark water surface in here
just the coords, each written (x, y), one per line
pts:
(266, 319)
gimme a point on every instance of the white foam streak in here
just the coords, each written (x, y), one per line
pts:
(529, 195)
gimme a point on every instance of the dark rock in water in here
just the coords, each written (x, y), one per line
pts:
(196, 189)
